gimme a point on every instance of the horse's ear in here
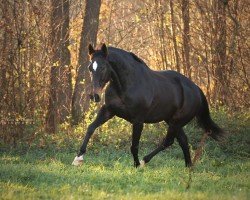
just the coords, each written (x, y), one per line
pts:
(104, 49)
(91, 49)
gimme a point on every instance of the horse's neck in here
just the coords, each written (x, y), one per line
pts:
(121, 76)
(125, 76)
(115, 81)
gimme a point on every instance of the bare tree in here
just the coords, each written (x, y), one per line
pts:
(205, 39)
(61, 87)
(173, 26)
(186, 37)
(220, 58)
(80, 101)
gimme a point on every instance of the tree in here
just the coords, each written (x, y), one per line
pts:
(173, 26)
(186, 37)
(207, 38)
(60, 76)
(80, 101)
(220, 59)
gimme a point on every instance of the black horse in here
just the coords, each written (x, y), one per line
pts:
(140, 95)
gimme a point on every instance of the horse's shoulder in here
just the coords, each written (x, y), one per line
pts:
(111, 95)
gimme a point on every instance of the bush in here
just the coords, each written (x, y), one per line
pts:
(116, 133)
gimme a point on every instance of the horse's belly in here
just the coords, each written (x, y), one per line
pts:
(160, 113)
(122, 114)
(157, 118)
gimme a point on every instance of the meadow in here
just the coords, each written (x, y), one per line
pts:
(42, 169)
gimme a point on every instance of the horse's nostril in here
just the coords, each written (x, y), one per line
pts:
(97, 98)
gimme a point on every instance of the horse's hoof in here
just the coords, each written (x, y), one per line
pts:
(78, 161)
(142, 163)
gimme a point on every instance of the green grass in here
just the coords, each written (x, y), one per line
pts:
(109, 175)
(223, 171)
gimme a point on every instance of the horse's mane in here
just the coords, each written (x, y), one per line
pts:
(134, 57)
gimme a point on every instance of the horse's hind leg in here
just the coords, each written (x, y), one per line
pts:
(168, 141)
(137, 130)
(182, 139)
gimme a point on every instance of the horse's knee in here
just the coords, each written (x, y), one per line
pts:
(168, 142)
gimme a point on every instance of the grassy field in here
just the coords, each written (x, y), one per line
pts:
(223, 172)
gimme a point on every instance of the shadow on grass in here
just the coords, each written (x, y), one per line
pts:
(110, 171)
(97, 174)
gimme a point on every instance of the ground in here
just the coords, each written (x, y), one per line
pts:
(107, 172)
(109, 175)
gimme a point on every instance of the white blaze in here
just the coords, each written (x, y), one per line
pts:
(95, 66)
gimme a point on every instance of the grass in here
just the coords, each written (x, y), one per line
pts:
(107, 173)
(110, 175)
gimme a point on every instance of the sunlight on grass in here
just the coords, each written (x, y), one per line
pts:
(8, 159)
(222, 173)
(109, 176)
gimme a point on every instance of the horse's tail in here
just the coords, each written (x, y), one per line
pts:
(205, 121)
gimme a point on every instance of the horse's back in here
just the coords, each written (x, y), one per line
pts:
(171, 74)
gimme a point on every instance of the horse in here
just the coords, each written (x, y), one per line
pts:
(141, 95)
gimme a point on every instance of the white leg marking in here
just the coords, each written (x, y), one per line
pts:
(78, 161)
(142, 163)
(95, 65)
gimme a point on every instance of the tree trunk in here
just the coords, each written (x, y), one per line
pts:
(173, 25)
(5, 42)
(80, 100)
(52, 116)
(61, 87)
(219, 60)
(186, 38)
(161, 12)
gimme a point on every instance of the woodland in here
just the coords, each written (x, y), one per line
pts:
(45, 106)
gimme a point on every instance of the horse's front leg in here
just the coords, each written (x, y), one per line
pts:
(137, 130)
(103, 115)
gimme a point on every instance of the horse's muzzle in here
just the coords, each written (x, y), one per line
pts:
(95, 97)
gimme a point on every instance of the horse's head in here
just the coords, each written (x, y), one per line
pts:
(100, 70)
